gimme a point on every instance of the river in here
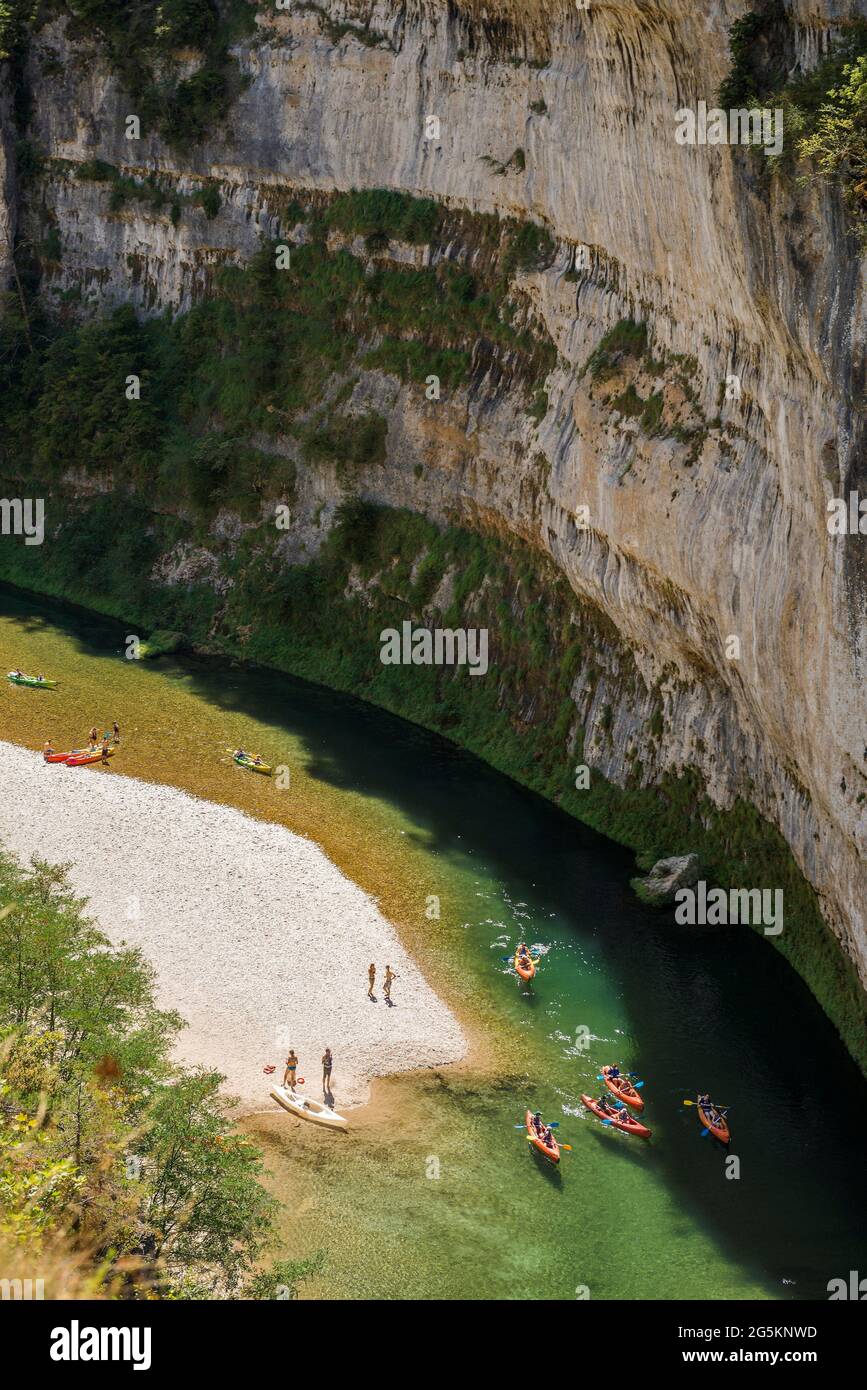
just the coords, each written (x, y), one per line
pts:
(433, 1193)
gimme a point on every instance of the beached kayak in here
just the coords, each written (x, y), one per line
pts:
(32, 681)
(623, 1089)
(81, 759)
(718, 1127)
(62, 757)
(551, 1153)
(253, 765)
(622, 1120)
(526, 968)
(308, 1109)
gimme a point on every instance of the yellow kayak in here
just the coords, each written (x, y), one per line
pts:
(252, 765)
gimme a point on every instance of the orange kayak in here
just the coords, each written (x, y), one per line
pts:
(719, 1130)
(623, 1089)
(81, 759)
(525, 967)
(552, 1154)
(622, 1120)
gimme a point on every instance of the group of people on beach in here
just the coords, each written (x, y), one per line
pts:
(386, 982)
(94, 744)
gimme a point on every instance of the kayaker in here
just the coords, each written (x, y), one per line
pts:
(613, 1073)
(386, 982)
(371, 980)
(291, 1070)
(258, 760)
(327, 1064)
(537, 1123)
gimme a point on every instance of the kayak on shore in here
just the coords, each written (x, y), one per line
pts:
(34, 682)
(63, 757)
(620, 1120)
(550, 1151)
(89, 756)
(306, 1108)
(622, 1088)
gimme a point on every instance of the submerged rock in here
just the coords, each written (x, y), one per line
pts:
(666, 877)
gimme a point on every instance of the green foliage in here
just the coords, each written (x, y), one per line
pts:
(384, 212)
(139, 40)
(757, 61)
(87, 1081)
(531, 247)
(209, 199)
(626, 339)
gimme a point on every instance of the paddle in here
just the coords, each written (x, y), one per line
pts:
(566, 1147)
(555, 1124)
(637, 1085)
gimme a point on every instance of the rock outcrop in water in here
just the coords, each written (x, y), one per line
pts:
(706, 399)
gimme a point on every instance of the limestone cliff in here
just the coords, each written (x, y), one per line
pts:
(698, 522)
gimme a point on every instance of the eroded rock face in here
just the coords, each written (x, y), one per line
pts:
(666, 877)
(685, 543)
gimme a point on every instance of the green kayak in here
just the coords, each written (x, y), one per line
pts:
(33, 681)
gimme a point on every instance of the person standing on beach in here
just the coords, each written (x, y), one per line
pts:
(291, 1070)
(94, 735)
(386, 982)
(371, 976)
(327, 1064)
(116, 731)
(105, 750)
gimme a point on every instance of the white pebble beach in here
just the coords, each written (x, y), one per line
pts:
(258, 940)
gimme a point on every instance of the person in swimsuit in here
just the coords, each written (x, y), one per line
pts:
(371, 978)
(105, 750)
(327, 1064)
(94, 735)
(116, 731)
(291, 1070)
(48, 749)
(386, 982)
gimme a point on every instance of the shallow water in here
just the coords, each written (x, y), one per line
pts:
(434, 1192)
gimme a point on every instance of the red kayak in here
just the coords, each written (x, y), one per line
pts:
(61, 757)
(552, 1154)
(623, 1089)
(622, 1120)
(81, 759)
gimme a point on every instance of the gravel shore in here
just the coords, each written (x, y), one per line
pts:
(258, 940)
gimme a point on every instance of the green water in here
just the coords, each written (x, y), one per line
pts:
(434, 1193)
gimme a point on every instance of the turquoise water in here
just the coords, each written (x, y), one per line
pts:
(436, 1193)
